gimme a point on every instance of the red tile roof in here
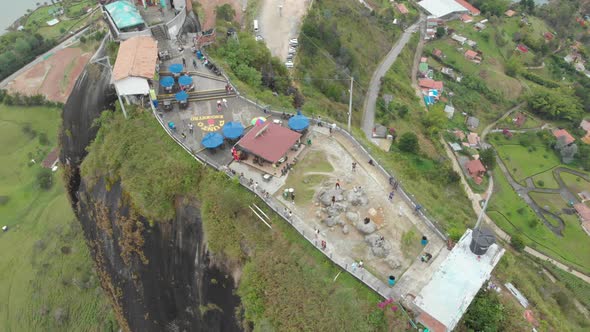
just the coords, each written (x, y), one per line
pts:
(470, 54)
(548, 35)
(402, 8)
(430, 84)
(466, 18)
(522, 48)
(432, 323)
(437, 52)
(562, 132)
(509, 13)
(520, 119)
(583, 211)
(475, 167)
(269, 141)
(137, 57)
(469, 7)
(51, 158)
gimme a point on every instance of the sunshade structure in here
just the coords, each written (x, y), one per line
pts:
(185, 80)
(258, 120)
(181, 96)
(167, 81)
(212, 140)
(124, 14)
(233, 130)
(298, 122)
(175, 68)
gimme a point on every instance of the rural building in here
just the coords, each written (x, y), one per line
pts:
(459, 134)
(510, 13)
(569, 139)
(548, 36)
(427, 83)
(444, 9)
(135, 66)
(476, 170)
(470, 8)
(473, 139)
(437, 53)
(461, 275)
(52, 159)
(519, 119)
(402, 8)
(466, 18)
(472, 56)
(585, 124)
(472, 122)
(460, 39)
(479, 26)
(423, 69)
(270, 142)
(522, 48)
(583, 212)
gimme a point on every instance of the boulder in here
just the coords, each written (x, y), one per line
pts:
(357, 198)
(393, 262)
(331, 221)
(352, 216)
(345, 229)
(325, 196)
(366, 228)
(379, 247)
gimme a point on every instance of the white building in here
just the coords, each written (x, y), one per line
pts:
(445, 9)
(135, 66)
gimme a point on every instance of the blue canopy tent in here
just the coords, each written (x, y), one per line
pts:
(298, 122)
(181, 96)
(175, 68)
(212, 140)
(167, 81)
(185, 80)
(233, 130)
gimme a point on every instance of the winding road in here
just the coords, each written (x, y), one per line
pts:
(374, 86)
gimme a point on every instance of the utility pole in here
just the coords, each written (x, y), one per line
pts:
(350, 103)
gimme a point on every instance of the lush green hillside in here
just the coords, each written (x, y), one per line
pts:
(48, 282)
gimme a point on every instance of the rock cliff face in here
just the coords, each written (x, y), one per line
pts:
(157, 273)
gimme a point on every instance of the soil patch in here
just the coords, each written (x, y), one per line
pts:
(209, 6)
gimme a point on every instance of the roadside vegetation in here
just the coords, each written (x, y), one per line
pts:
(48, 281)
(286, 284)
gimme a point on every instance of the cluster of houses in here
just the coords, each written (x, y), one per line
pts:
(575, 58)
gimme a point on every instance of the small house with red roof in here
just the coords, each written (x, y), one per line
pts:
(270, 142)
(466, 18)
(427, 83)
(402, 8)
(585, 124)
(437, 53)
(509, 13)
(583, 211)
(472, 10)
(473, 56)
(476, 170)
(519, 119)
(548, 36)
(522, 48)
(52, 159)
(558, 133)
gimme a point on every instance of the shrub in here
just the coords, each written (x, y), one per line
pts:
(517, 242)
(408, 142)
(44, 179)
(83, 40)
(541, 183)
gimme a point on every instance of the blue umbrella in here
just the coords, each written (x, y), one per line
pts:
(212, 140)
(298, 122)
(181, 96)
(233, 130)
(167, 81)
(185, 80)
(175, 68)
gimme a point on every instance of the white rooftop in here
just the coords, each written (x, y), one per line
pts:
(456, 282)
(440, 8)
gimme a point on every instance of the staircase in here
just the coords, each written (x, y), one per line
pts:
(160, 32)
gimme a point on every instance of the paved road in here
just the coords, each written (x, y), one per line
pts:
(374, 86)
(558, 264)
(40, 58)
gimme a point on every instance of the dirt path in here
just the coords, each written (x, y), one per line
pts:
(558, 264)
(209, 7)
(416, 63)
(279, 21)
(375, 85)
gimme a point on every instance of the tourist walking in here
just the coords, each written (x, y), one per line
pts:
(391, 196)
(184, 62)
(224, 102)
(183, 135)
(191, 128)
(194, 63)
(323, 245)
(333, 200)
(424, 241)
(256, 186)
(219, 106)
(338, 184)
(354, 166)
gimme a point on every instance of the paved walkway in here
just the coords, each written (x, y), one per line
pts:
(375, 85)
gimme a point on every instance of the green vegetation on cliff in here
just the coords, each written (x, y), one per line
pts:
(285, 283)
(48, 282)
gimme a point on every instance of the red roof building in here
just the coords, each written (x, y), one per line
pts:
(509, 13)
(466, 18)
(402, 8)
(476, 170)
(428, 83)
(270, 142)
(583, 212)
(548, 36)
(522, 48)
(437, 53)
(469, 7)
(520, 119)
(52, 158)
(569, 139)
(470, 54)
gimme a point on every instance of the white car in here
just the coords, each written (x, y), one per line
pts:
(259, 38)
(293, 42)
(289, 64)
(292, 50)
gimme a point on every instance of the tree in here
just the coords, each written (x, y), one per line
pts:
(517, 242)
(44, 178)
(225, 12)
(440, 32)
(408, 142)
(434, 120)
(512, 67)
(488, 158)
(568, 152)
(485, 313)
(555, 104)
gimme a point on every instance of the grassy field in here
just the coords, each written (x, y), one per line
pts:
(514, 216)
(575, 183)
(551, 302)
(523, 162)
(547, 179)
(73, 19)
(48, 282)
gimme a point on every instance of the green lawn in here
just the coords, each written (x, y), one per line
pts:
(548, 179)
(513, 215)
(48, 283)
(575, 183)
(523, 162)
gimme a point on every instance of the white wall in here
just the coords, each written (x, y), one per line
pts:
(176, 23)
(179, 4)
(133, 86)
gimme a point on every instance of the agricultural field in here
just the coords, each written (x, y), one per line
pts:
(74, 17)
(48, 281)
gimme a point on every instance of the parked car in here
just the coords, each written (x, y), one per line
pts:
(293, 42)
(289, 64)
(292, 50)
(259, 38)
